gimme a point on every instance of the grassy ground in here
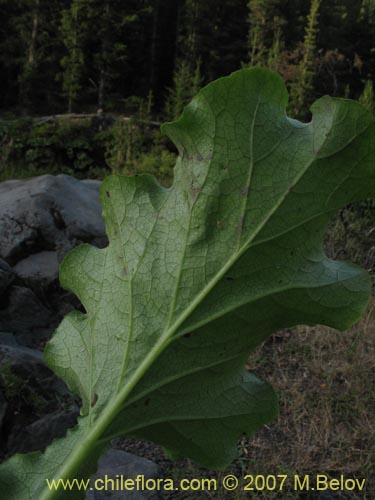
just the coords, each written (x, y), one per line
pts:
(326, 382)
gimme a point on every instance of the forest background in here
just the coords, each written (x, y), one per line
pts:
(112, 70)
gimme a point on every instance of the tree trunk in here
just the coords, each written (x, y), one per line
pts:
(34, 36)
(101, 89)
(104, 56)
(154, 46)
(25, 90)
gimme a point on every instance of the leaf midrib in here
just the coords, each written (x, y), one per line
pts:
(249, 176)
(222, 360)
(233, 259)
(236, 255)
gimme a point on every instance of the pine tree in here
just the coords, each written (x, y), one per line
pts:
(196, 79)
(257, 35)
(302, 90)
(118, 31)
(187, 78)
(108, 47)
(367, 97)
(275, 53)
(265, 23)
(74, 29)
(367, 11)
(366, 43)
(220, 31)
(28, 55)
(30, 61)
(189, 39)
(94, 56)
(185, 85)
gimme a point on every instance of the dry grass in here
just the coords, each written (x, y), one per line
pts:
(326, 383)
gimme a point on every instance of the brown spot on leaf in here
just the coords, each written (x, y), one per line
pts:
(195, 190)
(244, 192)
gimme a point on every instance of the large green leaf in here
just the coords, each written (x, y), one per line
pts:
(197, 275)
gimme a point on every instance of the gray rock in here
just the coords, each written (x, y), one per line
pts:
(35, 399)
(119, 463)
(38, 270)
(48, 213)
(6, 276)
(41, 433)
(25, 313)
(7, 339)
(3, 410)
(29, 366)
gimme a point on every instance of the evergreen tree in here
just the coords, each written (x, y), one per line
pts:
(29, 51)
(74, 29)
(97, 57)
(187, 77)
(275, 53)
(104, 51)
(119, 31)
(366, 43)
(302, 90)
(111, 18)
(221, 30)
(30, 60)
(265, 23)
(186, 84)
(197, 79)
(367, 97)
(367, 11)
(189, 23)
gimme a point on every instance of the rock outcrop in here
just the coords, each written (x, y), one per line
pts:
(41, 219)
